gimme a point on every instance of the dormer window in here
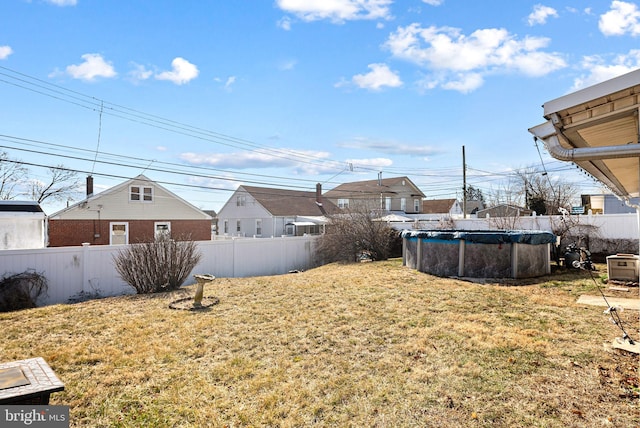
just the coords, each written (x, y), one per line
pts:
(343, 203)
(141, 194)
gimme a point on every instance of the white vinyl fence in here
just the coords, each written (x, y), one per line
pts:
(74, 271)
(610, 226)
(89, 270)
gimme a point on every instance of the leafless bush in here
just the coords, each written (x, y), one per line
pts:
(511, 222)
(354, 234)
(569, 225)
(21, 291)
(157, 266)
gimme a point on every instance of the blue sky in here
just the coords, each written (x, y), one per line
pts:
(203, 96)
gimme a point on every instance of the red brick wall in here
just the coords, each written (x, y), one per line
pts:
(64, 233)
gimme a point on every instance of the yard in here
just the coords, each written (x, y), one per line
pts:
(370, 344)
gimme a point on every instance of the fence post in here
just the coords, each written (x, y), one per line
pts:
(85, 265)
(461, 256)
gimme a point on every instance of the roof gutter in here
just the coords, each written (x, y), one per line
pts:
(548, 133)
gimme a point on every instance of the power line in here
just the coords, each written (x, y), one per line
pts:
(130, 161)
(21, 80)
(94, 104)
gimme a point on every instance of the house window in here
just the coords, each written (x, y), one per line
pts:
(387, 203)
(118, 233)
(416, 205)
(141, 193)
(241, 200)
(258, 227)
(238, 226)
(289, 229)
(343, 203)
(225, 227)
(162, 228)
(403, 204)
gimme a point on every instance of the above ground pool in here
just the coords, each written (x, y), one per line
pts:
(479, 254)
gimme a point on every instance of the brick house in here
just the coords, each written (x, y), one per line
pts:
(134, 211)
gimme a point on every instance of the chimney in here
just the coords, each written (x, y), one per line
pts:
(319, 198)
(319, 194)
(89, 185)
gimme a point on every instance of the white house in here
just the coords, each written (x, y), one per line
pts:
(441, 208)
(266, 212)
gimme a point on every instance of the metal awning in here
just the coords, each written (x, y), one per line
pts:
(302, 223)
(597, 129)
(319, 220)
(393, 217)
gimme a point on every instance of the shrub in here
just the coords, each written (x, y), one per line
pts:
(353, 235)
(162, 265)
(21, 291)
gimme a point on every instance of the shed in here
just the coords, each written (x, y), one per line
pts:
(22, 225)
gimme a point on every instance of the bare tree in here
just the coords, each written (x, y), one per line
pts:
(355, 233)
(508, 192)
(62, 185)
(12, 174)
(474, 194)
(534, 189)
(546, 195)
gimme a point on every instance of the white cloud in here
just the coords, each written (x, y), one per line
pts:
(182, 72)
(371, 163)
(598, 70)
(460, 62)
(254, 159)
(5, 51)
(230, 81)
(93, 66)
(379, 76)
(433, 2)
(287, 65)
(540, 14)
(389, 147)
(139, 73)
(467, 82)
(622, 18)
(285, 23)
(337, 11)
(63, 2)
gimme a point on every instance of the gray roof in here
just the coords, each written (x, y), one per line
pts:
(371, 187)
(283, 202)
(437, 206)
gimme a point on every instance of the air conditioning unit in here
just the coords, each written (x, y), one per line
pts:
(623, 267)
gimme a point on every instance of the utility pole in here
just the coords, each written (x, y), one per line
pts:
(464, 185)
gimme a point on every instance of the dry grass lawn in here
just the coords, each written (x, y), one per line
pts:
(363, 345)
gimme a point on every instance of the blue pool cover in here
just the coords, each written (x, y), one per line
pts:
(532, 237)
